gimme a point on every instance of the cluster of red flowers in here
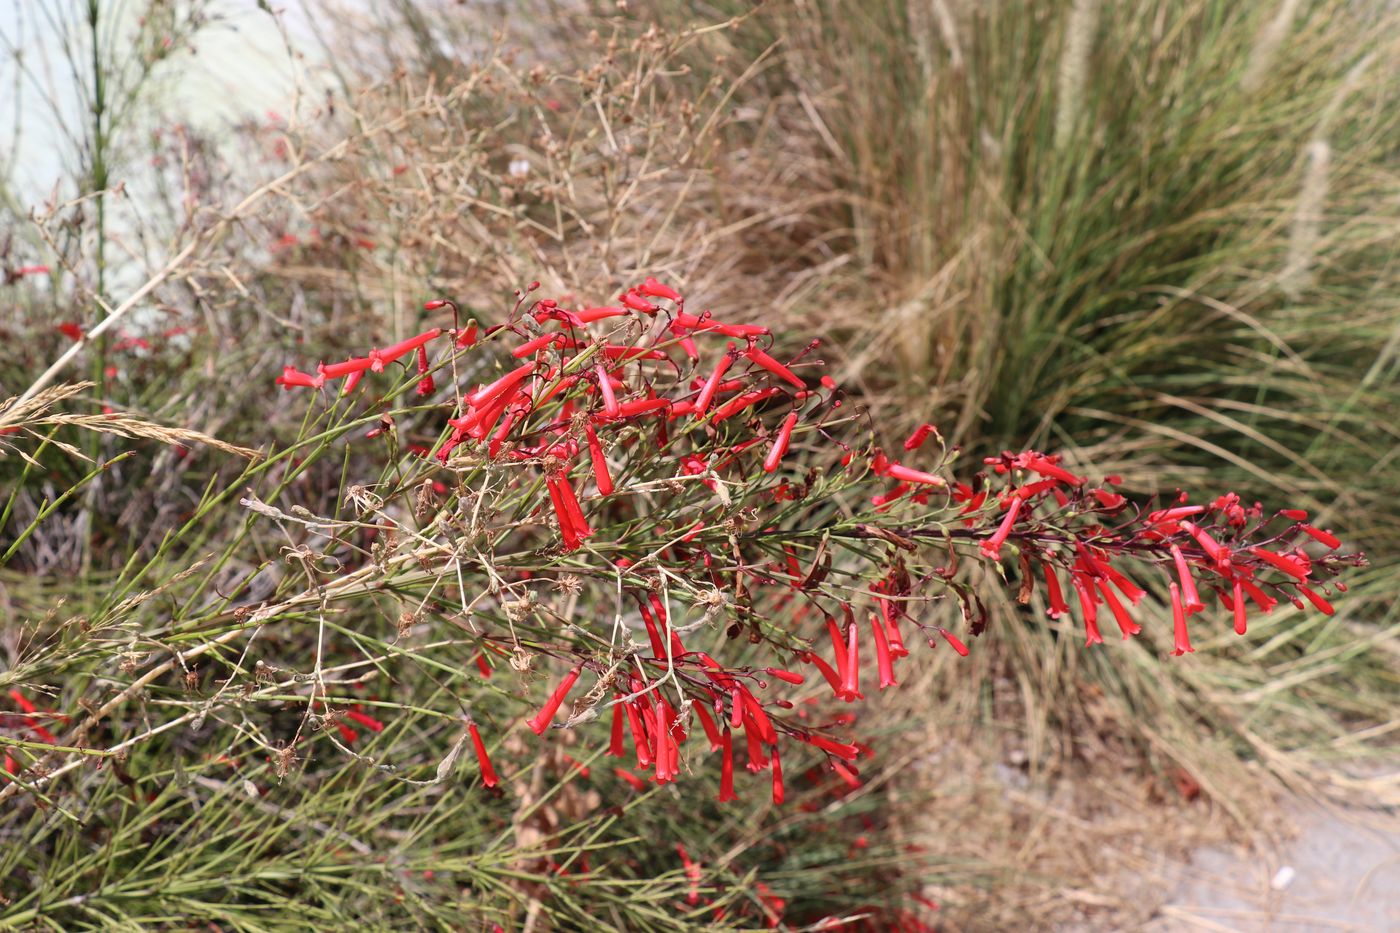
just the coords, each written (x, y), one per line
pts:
(642, 393)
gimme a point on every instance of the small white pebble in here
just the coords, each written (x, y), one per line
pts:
(1283, 878)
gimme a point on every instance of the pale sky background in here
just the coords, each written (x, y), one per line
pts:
(242, 67)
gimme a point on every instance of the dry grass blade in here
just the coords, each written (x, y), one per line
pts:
(125, 425)
(33, 414)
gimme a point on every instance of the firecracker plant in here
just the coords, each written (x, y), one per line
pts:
(693, 542)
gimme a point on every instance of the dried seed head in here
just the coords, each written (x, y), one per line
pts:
(363, 501)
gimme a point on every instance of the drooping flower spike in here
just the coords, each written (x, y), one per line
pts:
(684, 477)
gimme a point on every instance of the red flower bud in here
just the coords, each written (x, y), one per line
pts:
(541, 720)
(655, 289)
(773, 366)
(1182, 637)
(1192, 601)
(916, 440)
(488, 773)
(780, 443)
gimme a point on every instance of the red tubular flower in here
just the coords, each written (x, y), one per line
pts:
(754, 710)
(1120, 615)
(780, 443)
(658, 647)
(600, 462)
(786, 676)
(636, 782)
(677, 649)
(530, 347)
(637, 303)
(654, 289)
(610, 406)
(1287, 564)
(1237, 604)
(1325, 538)
(1183, 638)
(1128, 588)
(366, 720)
(660, 721)
(1216, 551)
(425, 385)
(916, 440)
(347, 368)
(466, 337)
(1083, 584)
(639, 735)
(692, 874)
(641, 406)
(707, 722)
(498, 389)
(1173, 514)
(589, 315)
(1318, 602)
(882, 654)
(1190, 597)
(831, 746)
(705, 323)
(712, 385)
(737, 404)
(832, 677)
(1265, 602)
(41, 733)
(686, 341)
(850, 678)
(1047, 466)
(736, 707)
(72, 331)
(838, 644)
(488, 773)
(292, 377)
(1058, 606)
(883, 500)
(773, 366)
(1297, 515)
(758, 760)
(391, 353)
(954, 641)
(616, 738)
(541, 720)
(567, 531)
(904, 473)
(566, 493)
(726, 770)
(1030, 490)
(991, 548)
(779, 794)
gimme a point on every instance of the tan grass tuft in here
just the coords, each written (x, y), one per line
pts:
(1266, 46)
(1306, 231)
(1074, 69)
